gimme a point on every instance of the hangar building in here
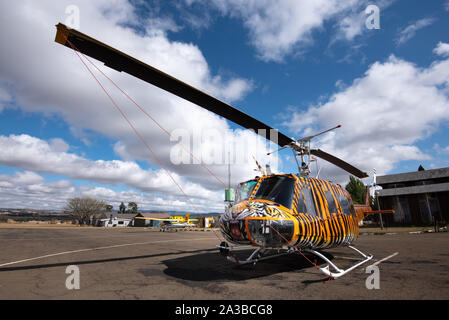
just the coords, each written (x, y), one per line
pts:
(419, 198)
(150, 223)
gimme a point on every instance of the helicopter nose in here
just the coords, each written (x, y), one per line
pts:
(260, 231)
(235, 229)
(233, 226)
(270, 232)
(258, 223)
(238, 230)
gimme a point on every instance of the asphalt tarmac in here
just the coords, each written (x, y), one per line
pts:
(138, 263)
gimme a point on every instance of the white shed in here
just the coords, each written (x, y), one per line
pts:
(116, 220)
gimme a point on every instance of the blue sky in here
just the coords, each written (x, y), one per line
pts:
(299, 67)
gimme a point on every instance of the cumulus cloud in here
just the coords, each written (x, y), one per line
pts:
(26, 177)
(30, 153)
(43, 77)
(152, 189)
(351, 26)
(442, 49)
(58, 145)
(279, 28)
(30, 190)
(383, 114)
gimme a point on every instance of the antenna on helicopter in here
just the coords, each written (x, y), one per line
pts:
(259, 167)
(268, 169)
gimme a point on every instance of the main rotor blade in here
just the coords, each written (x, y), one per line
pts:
(120, 61)
(339, 163)
(318, 134)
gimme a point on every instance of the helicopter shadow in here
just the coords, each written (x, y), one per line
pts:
(215, 267)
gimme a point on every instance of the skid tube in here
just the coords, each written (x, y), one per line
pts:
(257, 255)
(339, 272)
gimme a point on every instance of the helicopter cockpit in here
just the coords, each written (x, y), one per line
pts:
(278, 189)
(244, 190)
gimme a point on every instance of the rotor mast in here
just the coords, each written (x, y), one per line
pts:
(302, 149)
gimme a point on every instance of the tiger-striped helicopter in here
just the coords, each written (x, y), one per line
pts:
(284, 212)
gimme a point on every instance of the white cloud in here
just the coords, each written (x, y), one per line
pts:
(47, 78)
(30, 153)
(353, 22)
(29, 190)
(383, 114)
(33, 154)
(157, 26)
(440, 150)
(442, 49)
(410, 31)
(58, 145)
(352, 26)
(279, 28)
(286, 27)
(26, 177)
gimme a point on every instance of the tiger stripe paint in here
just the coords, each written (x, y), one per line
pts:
(324, 230)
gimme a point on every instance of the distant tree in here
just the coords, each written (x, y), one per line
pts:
(82, 209)
(109, 208)
(121, 208)
(132, 207)
(356, 189)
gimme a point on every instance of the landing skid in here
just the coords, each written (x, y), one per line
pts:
(261, 254)
(339, 272)
(258, 254)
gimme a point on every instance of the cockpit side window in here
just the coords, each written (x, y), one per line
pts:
(244, 190)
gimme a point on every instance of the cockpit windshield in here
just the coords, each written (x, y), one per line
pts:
(278, 189)
(244, 190)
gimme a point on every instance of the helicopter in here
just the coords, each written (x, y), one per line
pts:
(284, 213)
